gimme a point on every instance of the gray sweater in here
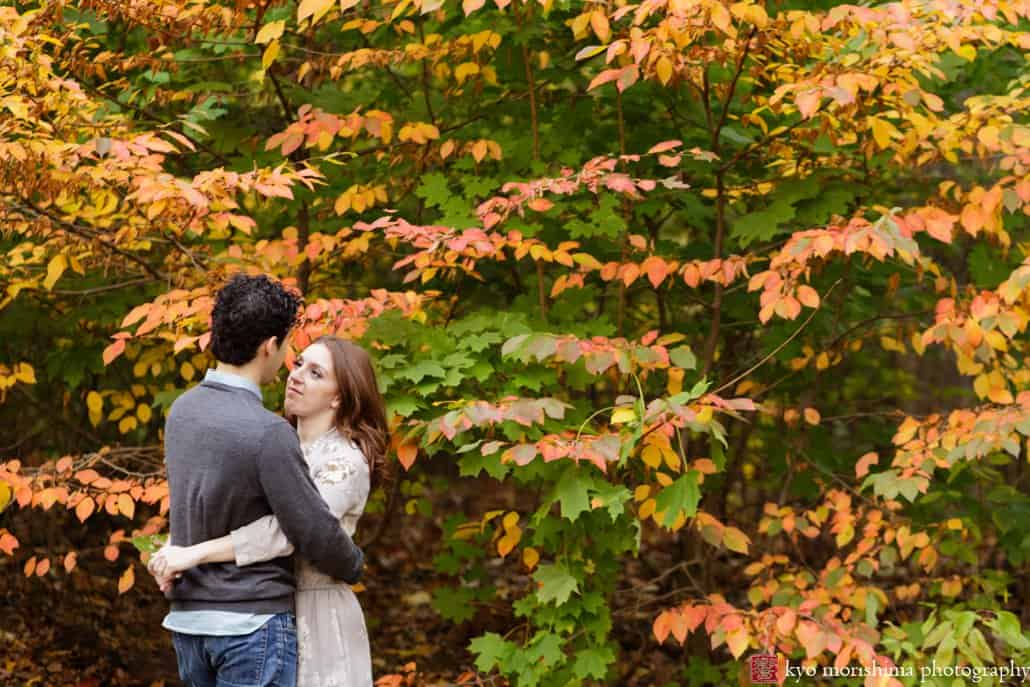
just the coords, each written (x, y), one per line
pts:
(230, 461)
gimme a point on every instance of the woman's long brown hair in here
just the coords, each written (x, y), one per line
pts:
(361, 416)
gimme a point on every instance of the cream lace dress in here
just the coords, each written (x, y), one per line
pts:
(332, 641)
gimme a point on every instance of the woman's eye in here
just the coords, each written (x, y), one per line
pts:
(318, 375)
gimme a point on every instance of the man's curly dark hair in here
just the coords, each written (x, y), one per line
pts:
(247, 311)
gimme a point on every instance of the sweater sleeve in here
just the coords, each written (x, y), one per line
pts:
(342, 479)
(302, 514)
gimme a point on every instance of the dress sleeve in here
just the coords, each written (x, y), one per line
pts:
(342, 477)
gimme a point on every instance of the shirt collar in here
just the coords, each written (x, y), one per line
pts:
(230, 379)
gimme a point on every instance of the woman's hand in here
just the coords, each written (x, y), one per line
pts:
(170, 562)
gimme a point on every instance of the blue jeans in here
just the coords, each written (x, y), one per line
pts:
(266, 657)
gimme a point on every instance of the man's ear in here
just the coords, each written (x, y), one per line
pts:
(270, 346)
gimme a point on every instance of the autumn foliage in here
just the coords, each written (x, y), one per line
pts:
(702, 324)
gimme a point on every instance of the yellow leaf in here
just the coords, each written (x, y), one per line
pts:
(126, 581)
(647, 509)
(812, 416)
(270, 32)
(5, 495)
(144, 413)
(530, 557)
(664, 69)
(882, 132)
(966, 52)
(465, 70)
(641, 493)
(511, 520)
(54, 270)
(953, 523)
(312, 8)
(127, 424)
(737, 641)
(623, 415)
(271, 52)
(652, 456)
(126, 506)
(187, 370)
(506, 543)
(672, 459)
(721, 18)
(735, 540)
(25, 374)
(599, 23)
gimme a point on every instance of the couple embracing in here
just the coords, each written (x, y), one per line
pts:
(249, 489)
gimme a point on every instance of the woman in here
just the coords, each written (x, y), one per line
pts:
(333, 397)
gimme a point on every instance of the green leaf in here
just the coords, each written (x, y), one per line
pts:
(557, 584)
(593, 662)
(490, 649)
(1006, 625)
(683, 357)
(149, 543)
(763, 224)
(433, 189)
(682, 495)
(422, 369)
(454, 603)
(572, 492)
(472, 464)
(545, 650)
(613, 497)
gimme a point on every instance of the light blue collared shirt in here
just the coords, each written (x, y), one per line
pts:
(219, 623)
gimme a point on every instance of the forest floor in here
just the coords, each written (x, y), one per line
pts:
(74, 630)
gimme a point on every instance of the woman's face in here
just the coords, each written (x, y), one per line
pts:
(311, 387)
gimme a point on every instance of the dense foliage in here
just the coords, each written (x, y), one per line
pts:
(721, 306)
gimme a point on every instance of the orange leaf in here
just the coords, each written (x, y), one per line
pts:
(811, 637)
(126, 581)
(862, 466)
(679, 626)
(8, 542)
(30, 567)
(87, 476)
(656, 270)
(43, 567)
(406, 454)
(113, 351)
(663, 625)
(111, 553)
(812, 416)
(70, 561)
(785, 623)
(808, 296)
(85, 509)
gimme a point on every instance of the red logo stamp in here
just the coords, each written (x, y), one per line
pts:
(763, 669)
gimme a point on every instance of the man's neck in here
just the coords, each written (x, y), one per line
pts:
(249, 371)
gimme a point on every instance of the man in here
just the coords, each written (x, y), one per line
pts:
(231, 461)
